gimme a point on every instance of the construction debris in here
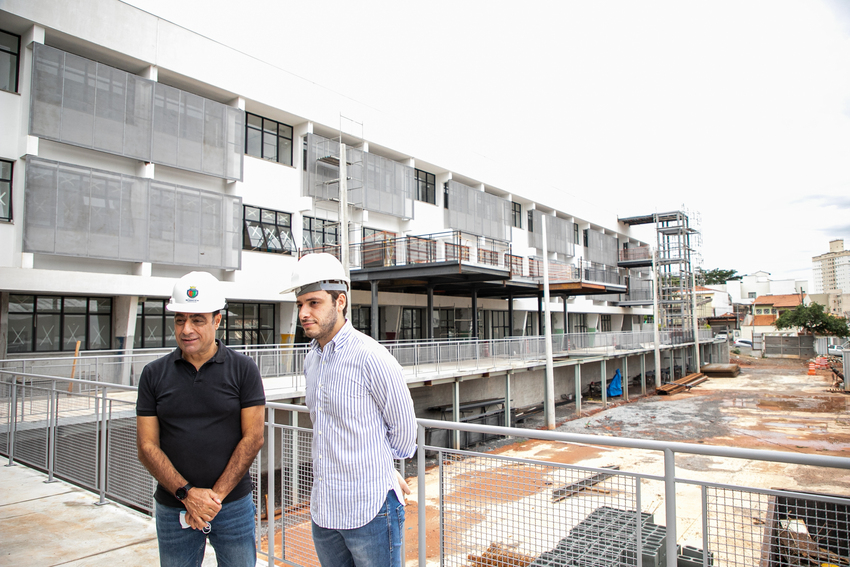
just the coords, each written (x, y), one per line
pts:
(716, 370)
(585, 484)
(499, 555)
(798, 546)
(682, 384)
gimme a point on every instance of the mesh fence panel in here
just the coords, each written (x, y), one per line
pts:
(500, 511)
(76, 438)
(127, 480)
(31, 426)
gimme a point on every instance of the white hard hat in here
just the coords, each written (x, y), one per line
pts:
(317, 271)
(196, 292)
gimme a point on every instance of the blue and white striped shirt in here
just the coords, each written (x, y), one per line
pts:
(363, 418)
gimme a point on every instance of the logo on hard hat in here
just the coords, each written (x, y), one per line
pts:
(192, 292)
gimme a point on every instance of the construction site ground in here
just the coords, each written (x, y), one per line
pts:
(773, 404)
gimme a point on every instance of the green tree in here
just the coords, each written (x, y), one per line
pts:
(718, 276)
(813, 320)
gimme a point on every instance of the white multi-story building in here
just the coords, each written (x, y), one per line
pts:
(133, 150)
(831, 271)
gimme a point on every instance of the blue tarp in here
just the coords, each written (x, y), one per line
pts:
(615, 388)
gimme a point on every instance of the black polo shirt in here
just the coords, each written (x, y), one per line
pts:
(200, 414)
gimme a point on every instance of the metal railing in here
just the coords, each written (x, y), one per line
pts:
(530, 511)
(418, 358)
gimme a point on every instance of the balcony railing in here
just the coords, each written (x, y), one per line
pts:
(635, 254)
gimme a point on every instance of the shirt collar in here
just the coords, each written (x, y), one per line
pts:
(218, 358)
(338, 341)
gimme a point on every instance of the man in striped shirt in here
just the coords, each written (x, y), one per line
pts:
(363, 418)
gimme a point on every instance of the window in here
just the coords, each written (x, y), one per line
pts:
(267, 231)
(247, 324)
(445, 328)
(530, 221)
(10, 48)
(446, 195)
(605, 323)
(575, 233)
(154, 328)
(5, 190)
(586, 236)
(268, 139)
(361, 319)
(411, 323)
(426, 187)
(501, 324)
(40, 323)
(751, 295)
(318, 233)
(530, 329)
(516, 210)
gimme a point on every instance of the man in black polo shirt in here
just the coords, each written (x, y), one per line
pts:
(199, 426)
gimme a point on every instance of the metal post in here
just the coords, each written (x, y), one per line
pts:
(420, 490)
(13, 424)
(670, 501)
(625, 378)
(429, 325)
(343, 210)
(104, 412)
(643, 374)
(696, 320)
(672, 364)
(508, 375)
(510, 314)
(577, 380)
(549, 390)
(604, 383)
(376, 331)
(52, 421)
(704, 492)
(456, 413)
(656, 320)
(294, 461)
(271, 488)
(475, 329)
(638, 510)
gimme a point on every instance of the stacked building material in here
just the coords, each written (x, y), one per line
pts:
(682, 384)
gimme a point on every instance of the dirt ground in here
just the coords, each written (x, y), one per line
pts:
(772, 405)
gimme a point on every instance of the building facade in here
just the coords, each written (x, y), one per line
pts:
(133, 151)
(831, 275)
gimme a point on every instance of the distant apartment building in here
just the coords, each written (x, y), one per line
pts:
(831, 279)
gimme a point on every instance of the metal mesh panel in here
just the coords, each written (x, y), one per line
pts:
(78, 96)
(500, 511)
(293, 540)
(111, 94)
(84, 103)
(78, 211)
(477, 212)
(127, 479)
(601, 248)
(559, 234)
(31, 433)
(76, 449)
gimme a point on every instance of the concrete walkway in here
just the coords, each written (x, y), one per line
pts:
(46, 524)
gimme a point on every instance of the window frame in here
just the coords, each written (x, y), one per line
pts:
(426, 186)
(307, 227)
(531, 220)
(266, 132)
(8, 217)
(287, 245)
(605, 323)
(227, 327)
(62, 312)
(17, 60)
(413, 331)
(163, 315)
(516, 214)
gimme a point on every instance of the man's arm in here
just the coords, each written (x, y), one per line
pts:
(202, 504)
(244, 453)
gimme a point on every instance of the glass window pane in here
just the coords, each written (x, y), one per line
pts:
(154, 307)
(49, 304)
(75, 305)
(284, 131)
(253, 143)
(153, 332)
(8, 71)
(252, 213)
(255, 121)
(21, 303)
(254, 232)
(170, 340)
(269, 217)
(74, 331)
(137, 334)
(270, 148)
(20, 332)
(285, 151)
(5, 170)
(234, 315)
(250, 315)
(266, 337)
(234, 338)
(100, 332)
(267, 316)
(272, 238)
(47, 332)
(100, 305)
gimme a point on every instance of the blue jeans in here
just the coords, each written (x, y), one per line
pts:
(377, 544)
(231, 535)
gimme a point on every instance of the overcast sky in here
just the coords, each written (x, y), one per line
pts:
(737, 110)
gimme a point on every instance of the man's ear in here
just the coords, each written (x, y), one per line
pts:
(217, 320)
(341, 302)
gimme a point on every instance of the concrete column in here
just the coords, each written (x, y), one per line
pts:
(672, 364)
(474, 313)
(508, 375)
(510, 314)
(429, 316)
(456, 413)
(643, 374)
(375, 319)
(625, 380)
(604, 376)
(540, 314)
(124, 309)
(577, 380)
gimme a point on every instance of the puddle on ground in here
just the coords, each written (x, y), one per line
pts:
(816, 404)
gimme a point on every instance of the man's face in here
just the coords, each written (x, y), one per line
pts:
(195, 332)
(319, 314)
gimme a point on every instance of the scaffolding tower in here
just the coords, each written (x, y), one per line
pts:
(678, 258)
